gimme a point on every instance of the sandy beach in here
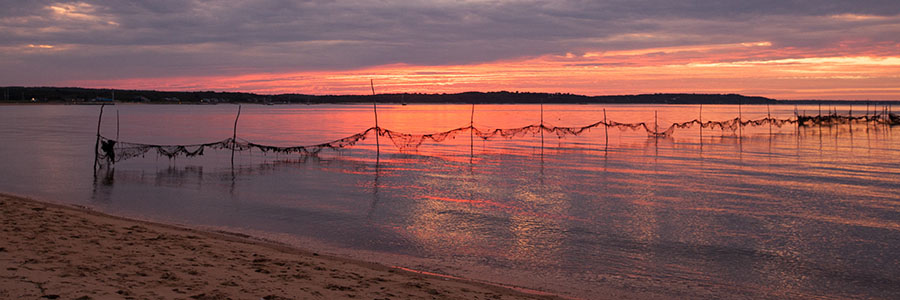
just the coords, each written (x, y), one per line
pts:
(50, 251)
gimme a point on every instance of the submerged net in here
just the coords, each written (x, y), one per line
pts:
(112, 151)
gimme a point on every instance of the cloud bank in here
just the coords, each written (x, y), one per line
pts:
(54, 42)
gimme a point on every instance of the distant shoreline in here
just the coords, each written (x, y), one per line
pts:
(777, 102)
(74, 95)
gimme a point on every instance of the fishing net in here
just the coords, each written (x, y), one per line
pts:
(115, 151)
(112, 151)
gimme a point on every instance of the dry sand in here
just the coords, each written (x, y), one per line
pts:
(50, 251)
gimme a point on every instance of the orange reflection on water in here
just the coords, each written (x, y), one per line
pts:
(470, 201)
(745, 206)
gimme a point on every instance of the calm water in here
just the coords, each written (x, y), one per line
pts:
(772, 213)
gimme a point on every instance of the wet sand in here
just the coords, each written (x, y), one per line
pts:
(51, 251)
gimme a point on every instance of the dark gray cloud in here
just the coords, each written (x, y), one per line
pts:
(106, 39)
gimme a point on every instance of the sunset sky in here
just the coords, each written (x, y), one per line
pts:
(779, 49)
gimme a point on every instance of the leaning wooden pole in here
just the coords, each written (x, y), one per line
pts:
(97, 143)
(117, 125)
(377, 129)
(234, 135)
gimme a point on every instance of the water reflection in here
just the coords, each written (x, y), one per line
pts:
(766, 211)
(102, 185)
(375, 187)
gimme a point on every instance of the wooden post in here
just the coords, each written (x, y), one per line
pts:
(656, 123)
(234, 135)
(605, 128)
(542, 113)
(740, 122)
(472, 134)
(542, 130)
(656, 133)
(701, 126)
(472, 117)
(377, 129)
(797, 117)
(97, 143)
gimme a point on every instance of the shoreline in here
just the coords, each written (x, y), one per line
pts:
(49, 249)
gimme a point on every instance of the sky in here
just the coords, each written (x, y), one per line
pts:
(775, 48)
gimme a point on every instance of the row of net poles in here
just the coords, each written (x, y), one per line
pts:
(605, 132)
(656, 132)
(97, 143)
(701, 127)
(377, 129)
(850, 115)
(542, 141)
(472, 134)
(819, 121)
(797, 117)
(542, 130)
(740, 120)
(375, 186)
(234, 136)
(867, 119)
(741, 128)
(769, 120)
